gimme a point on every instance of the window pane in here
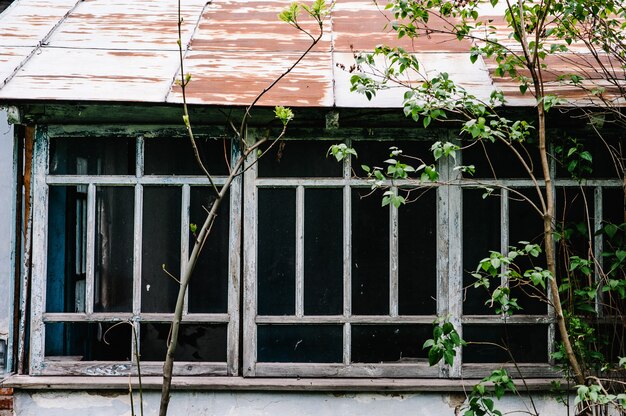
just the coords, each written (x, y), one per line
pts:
(497, 160)
(113, 279)
(93, 156)
(97, 341)
(276, 251)
(614, 212)
(370, 254)
(525, 224)
(300, 343)
(160, 246)
(291, 158)
(603, 164)
(196, 342)
(176, 157)
(374, 153)
(67, 249)
(527, 343)
(389, 343)
(481, 233)
(323, 251)
(208, 287)
(417, 239)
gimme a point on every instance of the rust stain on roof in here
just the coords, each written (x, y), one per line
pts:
(126, 51)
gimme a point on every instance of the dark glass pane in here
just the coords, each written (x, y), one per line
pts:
(574, 214)
(196, 342)
(417, 238)
(525, 224)
(370, 254)
(299, 159)
(175, 156)
(603, 164)
(497, 160)
(208, 288)
(614, 220)
(389, 343)
(374, 153)
(89, 341)
(67, 249)
(323, 251)
(300, 343)
(276, 251)
(93, 156)
(160, 246)
(527, 343)
(113, 280)
(481, 233)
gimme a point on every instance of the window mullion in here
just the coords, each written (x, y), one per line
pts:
(455, 252)
(504, 235)
(184, 239)
(138, 225)
(39, 251)
(250, 265)
(234, 269)
(90, 244)
(299, 251)
(393, 257)
(347, 257)
(598, 245)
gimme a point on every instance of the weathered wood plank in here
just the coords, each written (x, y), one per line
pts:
(342, 319)
(39, 252)
(395, 370)
(262, 384)
(299, 301)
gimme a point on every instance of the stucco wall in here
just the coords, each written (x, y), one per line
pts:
(6, 196)
(63, 403)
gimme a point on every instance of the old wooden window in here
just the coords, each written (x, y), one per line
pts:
(112, 220)
(334, 284)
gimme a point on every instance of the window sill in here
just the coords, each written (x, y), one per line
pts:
(258, 384)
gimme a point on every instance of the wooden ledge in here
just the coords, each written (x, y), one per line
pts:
(258, 384)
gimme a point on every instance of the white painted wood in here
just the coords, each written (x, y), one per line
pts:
(455, 253)
(263, 384)
(137, 247)
(299, 301)
(184, 238)
(342, 319)
(393, 258)
(39, 252)
(250, 266)
(347, 256)
(125, 180)
(55, 367)
(234, 270)
(443, 251)
(91, 252)
(395, 370)
(598, 246)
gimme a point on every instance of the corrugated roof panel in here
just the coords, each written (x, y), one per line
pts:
(120, 50)
(10, 59)
(473, 77)
(70, 74)
(27, 22)
(232, 78)
(121, 24)
(253, 25)
(362, 25)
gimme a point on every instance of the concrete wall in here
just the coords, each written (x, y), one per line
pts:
(6, 222)
(62, 403)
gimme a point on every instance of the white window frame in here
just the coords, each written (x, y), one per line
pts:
(449, 268)
(42, 180)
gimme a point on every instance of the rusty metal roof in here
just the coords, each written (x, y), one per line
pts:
(126, 51)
